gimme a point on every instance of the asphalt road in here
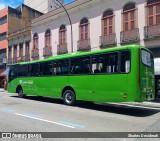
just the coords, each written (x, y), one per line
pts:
(33, 114)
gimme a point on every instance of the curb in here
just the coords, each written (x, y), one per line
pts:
(135, 104)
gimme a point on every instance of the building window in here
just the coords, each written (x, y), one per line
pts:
(129, 19)
(9, 52)
(84, 29)
(62, 35)
(153, 12)
(2, 55)
(3, 20)
(107, 25)
(21, 50)
(3, 36)
(27, 49)
(35, 41)
(15, 51)
(48, 38)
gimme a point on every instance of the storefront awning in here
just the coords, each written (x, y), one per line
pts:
(5, 72)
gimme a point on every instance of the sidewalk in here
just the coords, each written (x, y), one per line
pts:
(145, 104)
(152, 104)
(135, 104)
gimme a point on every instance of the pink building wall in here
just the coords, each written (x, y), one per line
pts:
(93, 10)
(4, 28)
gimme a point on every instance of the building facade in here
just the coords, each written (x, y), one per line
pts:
(3, 35)
(19, 40)
(43, 6)
(9, 19)
(98, 25)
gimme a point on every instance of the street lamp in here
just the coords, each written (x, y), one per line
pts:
(70, 24)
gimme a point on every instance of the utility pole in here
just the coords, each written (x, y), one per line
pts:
(70, 24)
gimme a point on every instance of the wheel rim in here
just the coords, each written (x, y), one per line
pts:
(69, 97)
(20, 93)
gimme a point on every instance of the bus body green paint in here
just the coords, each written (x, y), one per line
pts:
(137, 85)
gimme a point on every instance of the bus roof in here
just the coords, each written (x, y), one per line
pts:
(76, 54)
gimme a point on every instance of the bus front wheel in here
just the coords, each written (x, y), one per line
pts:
(69, 97)
(20, 93)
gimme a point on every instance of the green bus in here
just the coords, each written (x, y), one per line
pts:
(120, 74)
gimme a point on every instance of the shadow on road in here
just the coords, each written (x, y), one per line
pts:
(117, 109)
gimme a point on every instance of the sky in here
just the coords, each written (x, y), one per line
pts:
(16, 3)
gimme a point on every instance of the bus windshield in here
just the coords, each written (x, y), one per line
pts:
(147, 58)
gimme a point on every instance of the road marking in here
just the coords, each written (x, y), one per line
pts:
(72, 124)
(33, 115)
(43, 120)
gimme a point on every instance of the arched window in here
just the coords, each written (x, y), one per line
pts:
(129, 18)
(62, 35)
(153, 12)
(35, 41)
(107, 25)
(48, 38)
(84, 29)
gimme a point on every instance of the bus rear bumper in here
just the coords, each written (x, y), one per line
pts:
(148, 97)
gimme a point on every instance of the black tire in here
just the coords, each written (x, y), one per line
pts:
(39, 97)
(69, 97)
(20, 93)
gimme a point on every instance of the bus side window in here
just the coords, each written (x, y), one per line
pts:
(112, 62)
(23, 70)
(105, 63)
(125, 61)
(45, 69)
(33, 69)
(98, 62)
(80, 65)
(61, 67)
(12, 73)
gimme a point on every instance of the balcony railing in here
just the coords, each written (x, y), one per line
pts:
(10, 61)
(62, 48)
(35, 53)
(26, 58)
(47, 51)
(84, 45)
(130, 36)
(108, 40)
(152, 32)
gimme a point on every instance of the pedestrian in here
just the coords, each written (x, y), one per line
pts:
(5, 84)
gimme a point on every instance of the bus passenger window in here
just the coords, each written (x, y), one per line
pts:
(45, 69)
(12, 73)
(97, 66)
(125, 61)
(105, 63)
(33, 70)
(80, 65)
(112, 63)
(61, 67)
(23, 71)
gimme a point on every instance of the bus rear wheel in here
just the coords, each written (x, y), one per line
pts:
(69, 97)
(20, 93)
